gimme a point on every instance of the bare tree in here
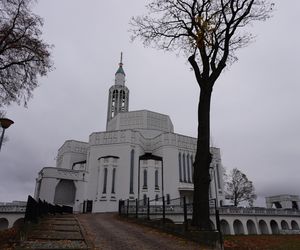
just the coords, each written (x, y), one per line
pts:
(239, 188)
(2, 115)
(208, 32)
(23, 54)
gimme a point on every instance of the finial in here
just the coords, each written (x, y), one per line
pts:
(121, 60)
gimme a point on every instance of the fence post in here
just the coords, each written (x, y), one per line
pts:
(185, 214)
(148, 209)
(218, 226)
(164, 209)
(127, 207)
(136, 208)
(120, 207)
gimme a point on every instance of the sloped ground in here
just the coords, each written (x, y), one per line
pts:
(108, 232)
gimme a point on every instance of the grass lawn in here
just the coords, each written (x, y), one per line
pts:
(265, 242)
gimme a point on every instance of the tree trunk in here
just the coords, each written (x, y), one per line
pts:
(202, 163)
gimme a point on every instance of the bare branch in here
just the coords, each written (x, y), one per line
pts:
(23, 54)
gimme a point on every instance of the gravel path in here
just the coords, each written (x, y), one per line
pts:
(108, 232)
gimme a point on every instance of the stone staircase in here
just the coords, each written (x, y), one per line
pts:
(55, 232)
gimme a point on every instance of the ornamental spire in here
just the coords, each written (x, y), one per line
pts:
(120, 74)
(121, 60)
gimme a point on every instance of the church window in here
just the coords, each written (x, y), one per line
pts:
(179, 164)
(105, 181)
(113, 181)
(188, 168)
(218, 176)
(192, 167)
(168, 199)
(184, 170)
(156, 179)
(131, 171)
(145, 179)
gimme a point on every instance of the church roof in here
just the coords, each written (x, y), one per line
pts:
(120, 70)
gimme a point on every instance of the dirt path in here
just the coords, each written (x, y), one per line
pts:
(108, 232)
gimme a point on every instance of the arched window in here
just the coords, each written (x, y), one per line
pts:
(145, 178)
(156, 179)
(122, 97)
(179, 164)
(188, 168)
(113, 181)
(131, 171)
(184, 171)
(104, 181)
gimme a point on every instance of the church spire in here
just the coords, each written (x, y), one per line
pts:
(118, 98)
(120, 74)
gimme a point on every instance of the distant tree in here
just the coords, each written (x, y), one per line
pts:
(208, 32)
(23, 53)
(239, 188)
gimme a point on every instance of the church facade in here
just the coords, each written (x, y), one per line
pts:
(138, 156)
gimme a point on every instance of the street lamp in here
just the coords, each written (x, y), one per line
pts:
(4, 123)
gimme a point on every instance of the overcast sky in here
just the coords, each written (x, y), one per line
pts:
(255, 113)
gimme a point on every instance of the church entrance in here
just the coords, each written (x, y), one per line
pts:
(65, 192)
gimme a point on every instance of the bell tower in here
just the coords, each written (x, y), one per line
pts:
(118, 97)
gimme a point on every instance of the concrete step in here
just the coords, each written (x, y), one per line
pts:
(53, 244)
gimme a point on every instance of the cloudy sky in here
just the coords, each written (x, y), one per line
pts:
(255, 107)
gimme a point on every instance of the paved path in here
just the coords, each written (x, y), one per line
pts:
(107, 231)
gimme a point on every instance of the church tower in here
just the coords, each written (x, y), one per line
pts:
(118, 98)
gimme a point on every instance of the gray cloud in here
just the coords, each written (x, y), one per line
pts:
(255, 106)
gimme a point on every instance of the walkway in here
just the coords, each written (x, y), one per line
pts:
(107, 231)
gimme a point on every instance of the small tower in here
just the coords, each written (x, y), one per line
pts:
(118, 98)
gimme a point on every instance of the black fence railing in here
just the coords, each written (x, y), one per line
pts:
(37, 209)
(174, 215)
(178, 210)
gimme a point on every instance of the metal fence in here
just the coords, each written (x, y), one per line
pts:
(163, 209)
(36, 209)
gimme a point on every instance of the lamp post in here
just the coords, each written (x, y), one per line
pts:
(4, 123)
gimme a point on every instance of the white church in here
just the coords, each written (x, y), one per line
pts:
(138, 156)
